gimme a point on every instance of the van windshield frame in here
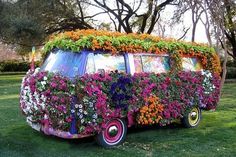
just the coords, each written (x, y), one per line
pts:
(66, 63)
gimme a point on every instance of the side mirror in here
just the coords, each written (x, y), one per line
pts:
(101, 72)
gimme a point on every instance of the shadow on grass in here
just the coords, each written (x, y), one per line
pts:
(26, 136)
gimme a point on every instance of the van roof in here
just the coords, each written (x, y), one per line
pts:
(116, 43)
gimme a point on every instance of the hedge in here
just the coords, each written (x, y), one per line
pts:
(231, 63)
(231, 73)
(15, 66)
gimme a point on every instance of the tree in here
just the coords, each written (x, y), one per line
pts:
(206, 21)
(223, 16)
(136, 16)
(26, 23)
(192, 7)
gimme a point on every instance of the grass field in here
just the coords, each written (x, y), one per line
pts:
(215, 136)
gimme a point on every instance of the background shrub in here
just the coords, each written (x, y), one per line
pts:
(231, 73)
(15, 66)
(231, 63)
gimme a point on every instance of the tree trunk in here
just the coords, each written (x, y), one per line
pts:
(208, 35)
(194, 31)
(224, 67)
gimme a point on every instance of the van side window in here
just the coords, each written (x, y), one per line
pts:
(151, 63)
(107, 62)
(138, 64)
(191, 64)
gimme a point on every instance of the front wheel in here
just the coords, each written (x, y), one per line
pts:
(192, 118)
(113, 134)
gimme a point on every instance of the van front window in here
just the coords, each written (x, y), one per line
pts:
(65, 63)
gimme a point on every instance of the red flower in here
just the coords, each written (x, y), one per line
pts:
(178, 83)
(167, 80)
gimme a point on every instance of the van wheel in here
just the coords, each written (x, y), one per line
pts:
(113, 134)
(192, 118)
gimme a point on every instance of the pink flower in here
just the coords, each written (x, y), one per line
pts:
(69, 119)
(166, 114)
(55, 98)
(62, 100)
(53, 84)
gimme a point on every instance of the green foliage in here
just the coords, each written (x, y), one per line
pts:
(27, 23)
(15, 66)
(20, 27)
(86, 42)
(231, 63)
(231, 73)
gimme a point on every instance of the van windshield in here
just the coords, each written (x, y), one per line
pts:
(63, 62)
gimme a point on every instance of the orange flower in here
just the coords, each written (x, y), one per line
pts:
(150, 113)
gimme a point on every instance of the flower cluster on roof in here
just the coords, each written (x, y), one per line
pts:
(116, 43)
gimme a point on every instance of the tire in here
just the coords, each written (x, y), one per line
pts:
(192, 118)
(113, 135)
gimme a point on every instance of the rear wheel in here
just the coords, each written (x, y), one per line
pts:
(192, 118)
(113, 134)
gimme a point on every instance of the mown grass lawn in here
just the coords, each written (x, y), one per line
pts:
(215, 136)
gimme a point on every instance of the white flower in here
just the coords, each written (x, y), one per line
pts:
(76, 105)
(90, 104)
(85, 100)
(85, 112)
(72, 111)
(45, 116)
(80, 106)
(95, 116)
(28, 72)
(25, 97)
(36, 70)
(29, 120)
(35, 107)
(81, 116)
(82, 120)
(45, 78)
(43, 105)
(202, 72)
(26, 109)
(80, 110)
(43, 83)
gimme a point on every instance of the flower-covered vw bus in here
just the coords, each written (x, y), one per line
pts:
(98, 83)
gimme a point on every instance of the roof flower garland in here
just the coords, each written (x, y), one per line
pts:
(115, 42)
